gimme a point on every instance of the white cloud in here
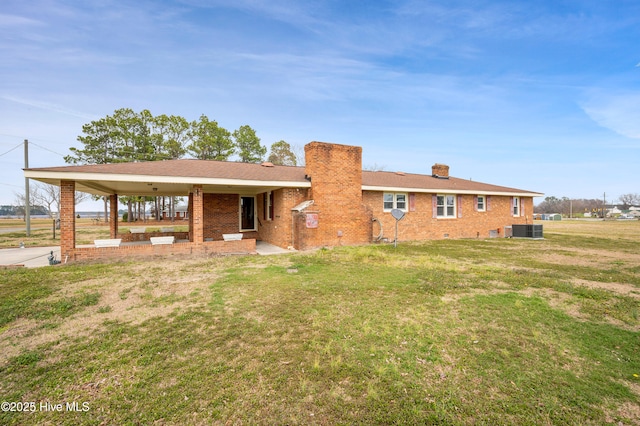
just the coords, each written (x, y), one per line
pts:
(16, 21)
(617, 112)
(47, 106)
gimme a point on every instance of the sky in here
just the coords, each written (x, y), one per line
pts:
(542, 96)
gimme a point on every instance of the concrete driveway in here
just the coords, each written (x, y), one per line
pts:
(31, 257)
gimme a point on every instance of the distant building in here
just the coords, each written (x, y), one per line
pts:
(179, 213)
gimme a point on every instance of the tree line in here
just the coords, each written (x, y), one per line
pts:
(127, 136)
(20, 210)
(567, 206)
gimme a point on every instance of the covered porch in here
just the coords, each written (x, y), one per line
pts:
(217, 206)
(141, 243)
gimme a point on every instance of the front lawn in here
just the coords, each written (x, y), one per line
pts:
(445, 332)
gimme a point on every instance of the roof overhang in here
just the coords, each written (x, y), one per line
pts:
(451, 191)
(151, 185)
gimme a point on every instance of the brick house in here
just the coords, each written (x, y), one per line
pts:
(330, 201)
(178, 213)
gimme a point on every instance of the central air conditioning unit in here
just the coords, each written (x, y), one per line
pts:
(527, 231)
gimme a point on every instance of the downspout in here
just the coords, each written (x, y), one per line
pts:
(293, 212)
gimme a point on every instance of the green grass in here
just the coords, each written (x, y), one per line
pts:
(36, 293)
(442, 332)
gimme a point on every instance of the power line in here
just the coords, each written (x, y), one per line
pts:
(46, 149)
(33, 143)
(9, 184)
(15, 147)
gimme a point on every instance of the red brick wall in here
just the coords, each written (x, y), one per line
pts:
(245, 246)
(190, 214)
(420, 224)
(145, 236)
(336, 188)
(67, 217)
(196, 201)
(277, 231)
(221, 215)
(113, 215)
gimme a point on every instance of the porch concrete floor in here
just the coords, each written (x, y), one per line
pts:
(262, 248)
(265, 249)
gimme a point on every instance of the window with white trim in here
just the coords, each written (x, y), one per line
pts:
(268, 205)
(482, 203)
(516, 206)
(395, 200)
(446, 205)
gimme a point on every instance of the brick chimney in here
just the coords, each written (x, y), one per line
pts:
(336, 174)
(336, 189)
(440, 170)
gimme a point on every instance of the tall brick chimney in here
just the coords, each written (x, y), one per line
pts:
(335, 172)
(440, 170)
(336, 189)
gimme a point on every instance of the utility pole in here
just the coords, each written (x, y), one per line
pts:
(27, 202)
(570, 209)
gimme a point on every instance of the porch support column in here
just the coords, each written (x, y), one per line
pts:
(67, 218)
(197, 212)
(190, 216)
(113, 215)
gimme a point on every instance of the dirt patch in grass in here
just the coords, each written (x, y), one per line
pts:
(134, 297)
(629, 410)
(557, 300)
(618, 288)
(586, 257)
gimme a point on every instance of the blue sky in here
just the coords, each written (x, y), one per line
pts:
(543, 96)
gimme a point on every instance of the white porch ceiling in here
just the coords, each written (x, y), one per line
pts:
(147, 185)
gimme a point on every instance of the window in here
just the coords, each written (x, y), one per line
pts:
(268, 205)
(247, 213)
(481, 203)
(446, 205)
(516, 206)
(395, 201)
(388, 201)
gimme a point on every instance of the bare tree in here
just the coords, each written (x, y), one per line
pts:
(298, 151)
(47, 196)
(375, 167)
(566, 206)
(629, 200)
(21, 201)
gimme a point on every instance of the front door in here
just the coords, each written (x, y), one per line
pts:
(247, 213)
